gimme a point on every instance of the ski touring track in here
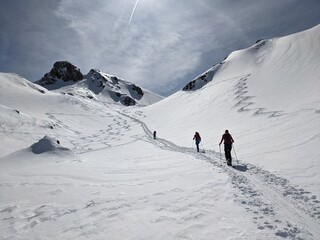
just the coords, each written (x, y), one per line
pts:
(275, 205)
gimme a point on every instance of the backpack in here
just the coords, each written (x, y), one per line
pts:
(197, 136)
(227, 138)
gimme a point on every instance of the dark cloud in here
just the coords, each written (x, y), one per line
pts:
(166, 44)
(32, 37)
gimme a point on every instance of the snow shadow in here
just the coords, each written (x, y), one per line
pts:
(241, 168)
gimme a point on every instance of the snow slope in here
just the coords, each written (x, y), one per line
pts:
(107, 179)
(72, 167)
(268, 98)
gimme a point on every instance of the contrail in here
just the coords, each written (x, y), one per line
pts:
(134, 8)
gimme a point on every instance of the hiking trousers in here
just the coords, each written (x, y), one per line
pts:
(227, 151)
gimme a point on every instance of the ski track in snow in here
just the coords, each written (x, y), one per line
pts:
(112, 133)
(244, 101)
(275, 205)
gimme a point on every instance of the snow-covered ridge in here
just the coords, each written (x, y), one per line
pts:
(67, 78)
(266, 95)
(202, 79)
(118, 89)
(208, 75)
(13, 80)
(280, 59)
(100, 86)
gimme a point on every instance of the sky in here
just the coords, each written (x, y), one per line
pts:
(159, 45)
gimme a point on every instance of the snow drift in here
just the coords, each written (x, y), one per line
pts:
(47, 145)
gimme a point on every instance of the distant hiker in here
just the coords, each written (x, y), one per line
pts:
(154, 134)
(228, 140)
(58, 142)
(198, 139)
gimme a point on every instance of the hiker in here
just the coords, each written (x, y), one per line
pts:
(198, 140)
(154, 134)
(228, 140)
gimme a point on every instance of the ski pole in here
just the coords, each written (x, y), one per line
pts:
(220, 154)
(235, 154)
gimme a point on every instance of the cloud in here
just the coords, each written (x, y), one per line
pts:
(166, 44)
(33, 38)
(163, 44)
(144, 51)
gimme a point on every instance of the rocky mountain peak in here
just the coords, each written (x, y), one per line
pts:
(61, 71)
(119, 90)
(67, 78)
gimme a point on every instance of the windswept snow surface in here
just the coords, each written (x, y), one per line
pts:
(79, 168)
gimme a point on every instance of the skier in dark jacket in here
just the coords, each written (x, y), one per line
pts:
(228, 140)
(198, 139)
(154, 134)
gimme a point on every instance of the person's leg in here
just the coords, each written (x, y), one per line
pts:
(229, 155)
(197, 143)
(226, 151)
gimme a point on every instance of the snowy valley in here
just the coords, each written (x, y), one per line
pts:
(78, 160)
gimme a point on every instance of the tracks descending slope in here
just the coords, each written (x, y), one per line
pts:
(275, 205)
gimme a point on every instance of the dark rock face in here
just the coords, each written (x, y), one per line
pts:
(66, 71)
(62, 70)
(203, 79)
(127, 101)
(117, 88)
(191, 85)
(138, 90)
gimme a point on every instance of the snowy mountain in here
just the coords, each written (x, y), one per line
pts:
(78, 166)
(67, 78)
(102, 86)
(268, 97)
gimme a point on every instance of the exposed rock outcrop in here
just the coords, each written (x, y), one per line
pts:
(203, 79)
(62, 70)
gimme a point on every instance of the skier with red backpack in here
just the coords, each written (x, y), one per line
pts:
(198, 139)
(228, 140)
